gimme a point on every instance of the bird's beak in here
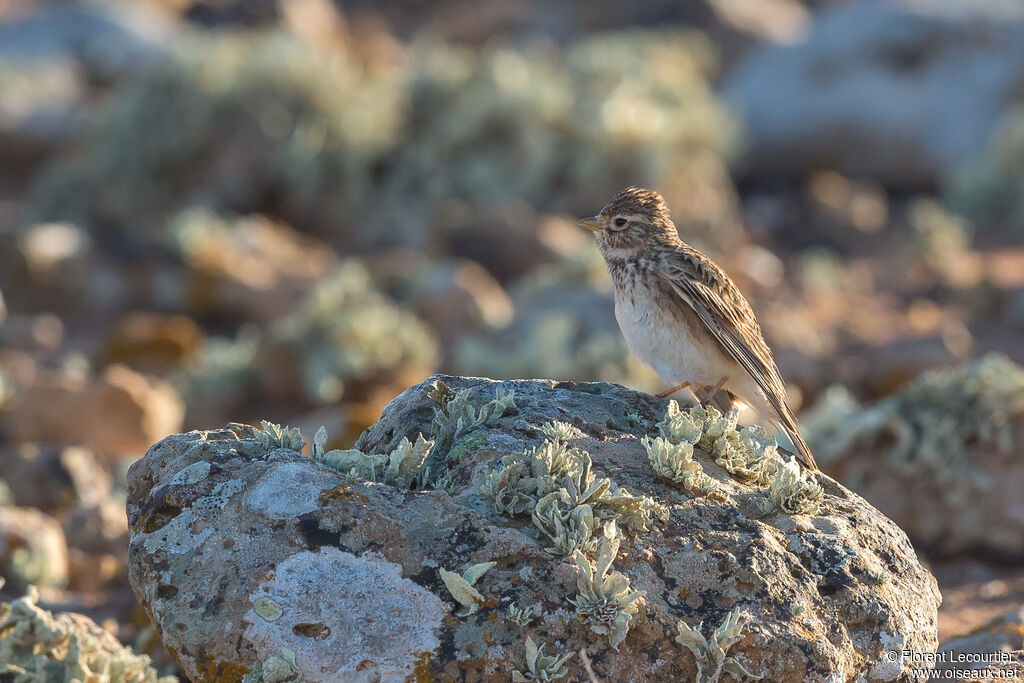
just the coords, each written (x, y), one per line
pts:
(590, 224)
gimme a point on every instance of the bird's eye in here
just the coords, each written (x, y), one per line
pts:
(620, 222)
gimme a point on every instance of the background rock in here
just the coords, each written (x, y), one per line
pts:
(939, 456)
(40, 645)
(116, 415)
(1004, 634)
(900, 91)
(32, 548)
(823, 596)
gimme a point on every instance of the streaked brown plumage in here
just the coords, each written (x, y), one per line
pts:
(682, 315)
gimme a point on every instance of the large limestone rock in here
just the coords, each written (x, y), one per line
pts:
(256, 561)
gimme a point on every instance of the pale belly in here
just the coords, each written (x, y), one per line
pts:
(669, 347)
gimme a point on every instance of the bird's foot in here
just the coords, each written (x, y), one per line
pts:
(673, 389)
(710, 393)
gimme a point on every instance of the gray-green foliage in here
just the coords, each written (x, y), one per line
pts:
(793, 492)
(992, 188)
(541, 667)
(554, 483)
(520, 615)
(280, 668)
(455, 413)
(347, 331)
(748, 454)
(272, 436)
(455, 417)
(674, 461)
(931, 428)
(605, 601)
(37, 646)
(332, 137)
(400, 467)
(461, 586)
(711, 653)
(241, 114)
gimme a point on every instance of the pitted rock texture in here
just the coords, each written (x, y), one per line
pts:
(244, 556)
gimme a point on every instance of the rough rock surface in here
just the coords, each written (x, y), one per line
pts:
(250, 558)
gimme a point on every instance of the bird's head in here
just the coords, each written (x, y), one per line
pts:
(633, 221)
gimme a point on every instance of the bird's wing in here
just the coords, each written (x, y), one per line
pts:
(722, 308)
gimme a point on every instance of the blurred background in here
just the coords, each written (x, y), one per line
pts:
(228, 210)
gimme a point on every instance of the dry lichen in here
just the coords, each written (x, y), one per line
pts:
(792, 491)
(541, 667)
(559, 432)
(454, 414)
(275, 669)
(521, 615)
(37, 646)
(932, 427)
(748, 454)
(605, 600)
(555, 484)
(674, 461)
(273, 436)
(711, 654)
(346, 331)
(461, 586)
(399, 468)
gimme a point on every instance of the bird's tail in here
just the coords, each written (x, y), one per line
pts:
(724, 401)
(803, 451)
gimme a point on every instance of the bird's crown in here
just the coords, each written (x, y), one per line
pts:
(638, 201)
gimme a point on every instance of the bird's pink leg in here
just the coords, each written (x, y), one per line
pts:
(710, 395)
(673, 389)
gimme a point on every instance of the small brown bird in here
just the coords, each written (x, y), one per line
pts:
(683, 316)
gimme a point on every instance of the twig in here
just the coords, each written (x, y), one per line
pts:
(586, 665)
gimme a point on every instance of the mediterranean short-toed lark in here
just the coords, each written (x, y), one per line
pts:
(683, 316)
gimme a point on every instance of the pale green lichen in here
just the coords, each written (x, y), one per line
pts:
(749, 454)
(273, 436)
(461, 586)
(541, 667)
(275, 669)
(674, 461)
(446, 482)
(268, 609)
(521, 615)
(932, 428)
(559, 432)
(711, 653)
(678, 427)
(569, 527)
(605, 600)
(400, 468)
(35, 646)
(405, 461)
(455, 413)
(792, 491)
(555, 484)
